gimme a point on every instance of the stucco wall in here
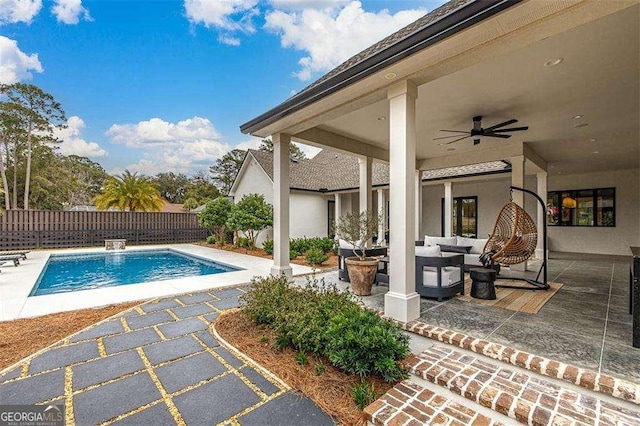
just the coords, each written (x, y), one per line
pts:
(494, 193)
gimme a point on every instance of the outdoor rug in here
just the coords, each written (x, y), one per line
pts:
(513, 299)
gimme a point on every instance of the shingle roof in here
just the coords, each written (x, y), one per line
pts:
(331, 171)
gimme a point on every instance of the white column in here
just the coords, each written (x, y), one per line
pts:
(541, 179)
(365, 199)
(418, 208)
(382, 211)
(281, 142)
(337, 208)
(448, 209)
(401, 301)
(517, 179)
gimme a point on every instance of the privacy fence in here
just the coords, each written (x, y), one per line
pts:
(30, 229)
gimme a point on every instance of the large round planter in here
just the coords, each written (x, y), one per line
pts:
(362, 273)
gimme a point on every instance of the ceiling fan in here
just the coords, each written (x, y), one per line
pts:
(495, 131)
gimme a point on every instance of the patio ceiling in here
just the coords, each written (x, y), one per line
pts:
(598, 79)
(495, 68)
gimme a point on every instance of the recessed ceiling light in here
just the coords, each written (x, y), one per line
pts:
(553, 62)
(581, 125)
(390, 75)
(591, 140)
(596, 152)
(441, 143)
(576, 117)
(381, 118)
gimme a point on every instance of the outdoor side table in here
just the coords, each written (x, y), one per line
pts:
(482, 284)
(115, 244)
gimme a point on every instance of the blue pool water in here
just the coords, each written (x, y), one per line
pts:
(64, 273)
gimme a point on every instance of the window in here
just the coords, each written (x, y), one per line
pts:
(582, 207)
(464, 221)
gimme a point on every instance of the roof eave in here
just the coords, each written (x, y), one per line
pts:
(438, 30)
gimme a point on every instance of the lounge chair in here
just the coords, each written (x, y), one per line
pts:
(15, 258)
(23, 254)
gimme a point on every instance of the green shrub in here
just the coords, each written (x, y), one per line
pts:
(267, 246)
(321, 319)
(325, 244)
(293, 254)
(316, 256)
(362, 343)
(243, 242)
(319, 368)
(301, 358)
(300, 245)
(211, 239)
(363, 394)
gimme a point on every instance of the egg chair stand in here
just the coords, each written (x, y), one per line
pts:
(513, 240)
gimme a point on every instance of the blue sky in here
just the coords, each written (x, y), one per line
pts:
(164, 85)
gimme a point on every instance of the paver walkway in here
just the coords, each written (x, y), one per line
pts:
(158, 364)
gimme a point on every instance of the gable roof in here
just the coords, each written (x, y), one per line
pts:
(450, 18)
(330, 171)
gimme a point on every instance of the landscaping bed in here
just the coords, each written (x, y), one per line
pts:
(320, 341)
(23, 337)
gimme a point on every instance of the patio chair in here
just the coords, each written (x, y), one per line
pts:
(439, 275)
(15, 258)
(23, 254)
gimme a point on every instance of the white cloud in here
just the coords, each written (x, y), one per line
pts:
(226, 16)
(12, 11)
(323, 33)
(74, 144)
(186, 146)
(309, 151)
(306, 4)
(16, 65)
(70, 11)
(252, 143)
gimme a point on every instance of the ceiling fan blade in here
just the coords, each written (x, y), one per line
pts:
(453, 131)
(506, 123)
(464, 137)
(494, 135)
(447, 137)
(511, 129)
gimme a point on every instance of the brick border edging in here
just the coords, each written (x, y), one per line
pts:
(588, 379)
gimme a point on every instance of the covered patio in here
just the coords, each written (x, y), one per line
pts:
(568, 71)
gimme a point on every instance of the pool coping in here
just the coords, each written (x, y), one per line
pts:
(17, 282)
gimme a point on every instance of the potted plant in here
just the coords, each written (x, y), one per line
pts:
(357, 229)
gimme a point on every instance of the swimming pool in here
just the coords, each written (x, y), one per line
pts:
(75, 272)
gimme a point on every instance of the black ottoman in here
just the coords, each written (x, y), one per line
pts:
(482, 286)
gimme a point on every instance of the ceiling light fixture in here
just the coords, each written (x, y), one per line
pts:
(596, 152)
(577, 117)
(581, 125)
(553, 62)
(592, 140)
(390, 75)
(381, 118)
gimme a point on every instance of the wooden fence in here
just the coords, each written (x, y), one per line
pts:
(30, 229)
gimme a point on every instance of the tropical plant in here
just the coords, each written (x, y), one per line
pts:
(267, 246)
(357, 229)
(215, 216)
(316, 256)
(252, 215)
(130, 192)
(190, 204)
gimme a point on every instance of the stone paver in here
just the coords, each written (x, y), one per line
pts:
(288, 409)
(100, 330)
(172, 349)
(179, 328)
(189, 371)
(32, 390)
(125, 372)
(113, 399)
(225, 397)
(133, 339)
(226, 303)
(104, 369)
(63, 356)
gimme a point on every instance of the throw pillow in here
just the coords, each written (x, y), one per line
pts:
(455, 249)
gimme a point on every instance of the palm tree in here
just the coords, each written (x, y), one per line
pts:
(131, 192)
